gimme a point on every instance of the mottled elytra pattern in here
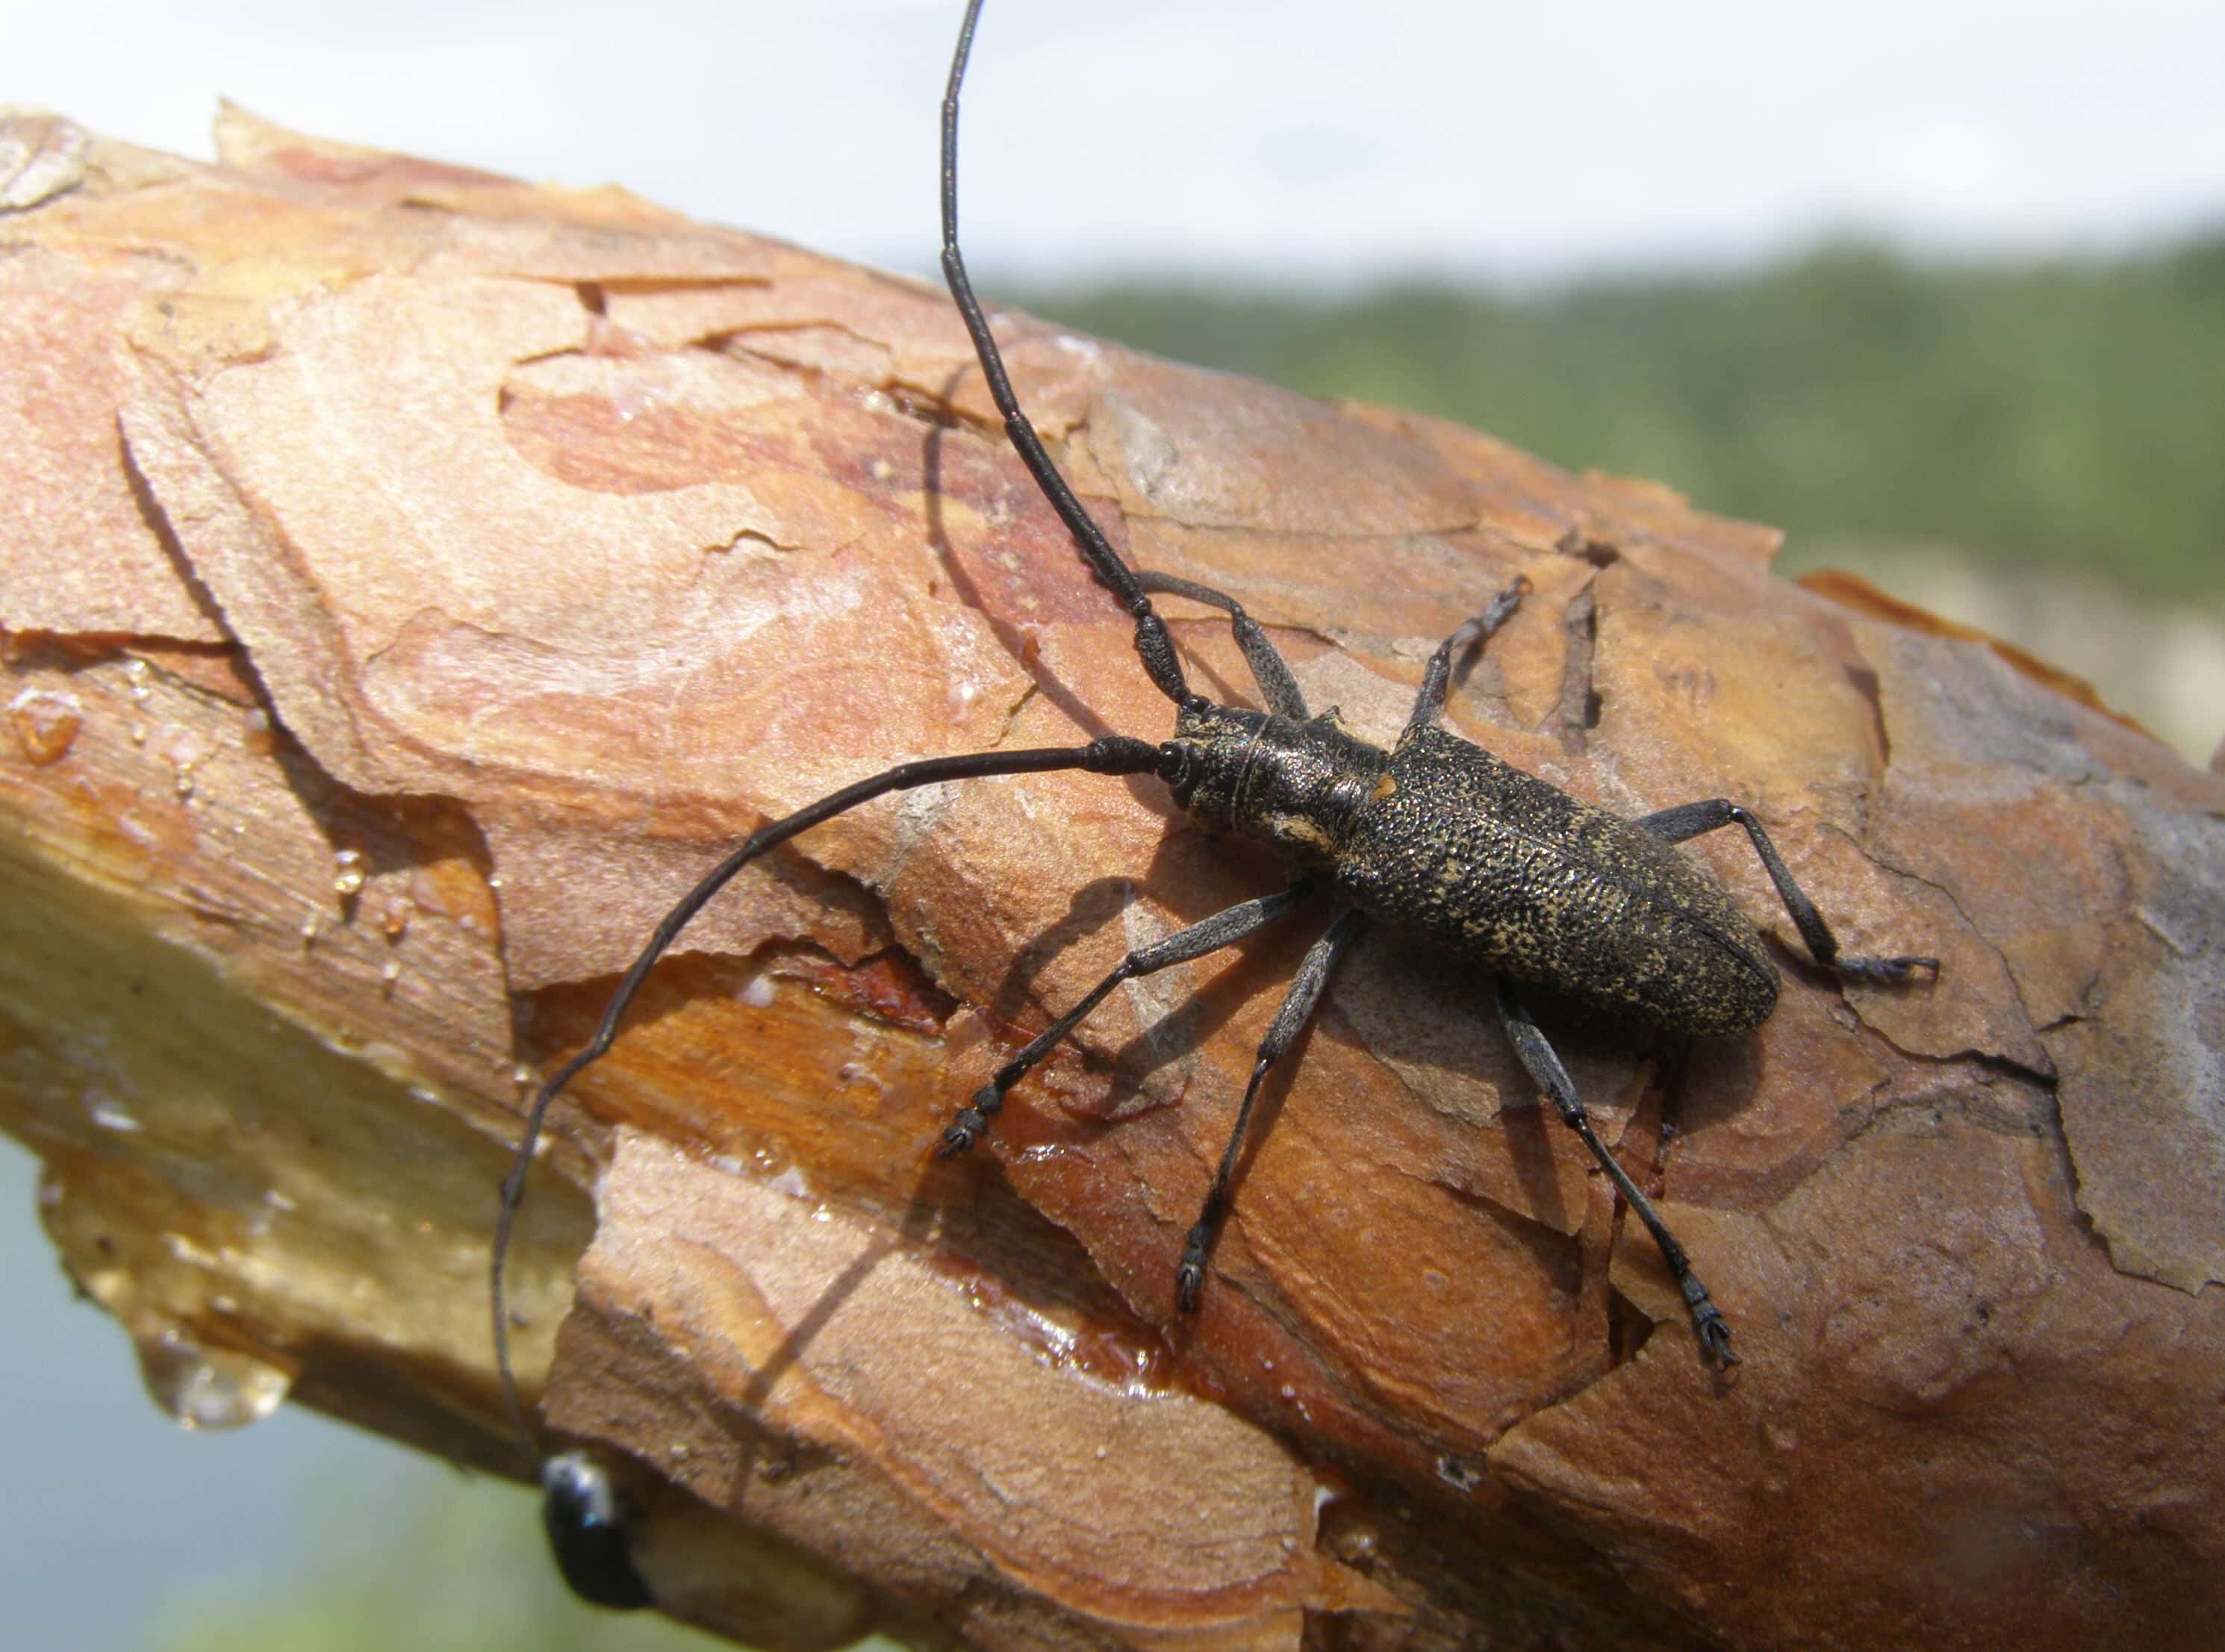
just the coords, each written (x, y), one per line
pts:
(1434, 838)
(1496, 865)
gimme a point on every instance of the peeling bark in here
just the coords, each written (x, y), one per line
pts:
(413, 580)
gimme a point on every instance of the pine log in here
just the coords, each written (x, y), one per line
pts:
(412, 580)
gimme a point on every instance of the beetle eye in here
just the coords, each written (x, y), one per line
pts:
(1177, 767)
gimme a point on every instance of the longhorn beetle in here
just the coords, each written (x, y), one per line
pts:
(1435, 835)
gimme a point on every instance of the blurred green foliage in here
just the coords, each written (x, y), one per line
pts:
(461, 1567)
(453, 1563)
(2070, 413)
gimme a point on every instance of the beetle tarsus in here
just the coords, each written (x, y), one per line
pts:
(1189, 1277)
(1883, 971)
(966, 1130)
(1715, 1335)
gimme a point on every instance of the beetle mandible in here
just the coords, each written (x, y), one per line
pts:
(1434, 835)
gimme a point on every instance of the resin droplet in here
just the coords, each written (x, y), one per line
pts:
(184, 749)
(108, 1112)
(45, 723)
(348, 872)
(208, 1388)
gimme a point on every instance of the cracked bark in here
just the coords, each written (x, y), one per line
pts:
(458, 586)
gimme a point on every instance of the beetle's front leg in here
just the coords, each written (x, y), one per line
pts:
(1221, 929)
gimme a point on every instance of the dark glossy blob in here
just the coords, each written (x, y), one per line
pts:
(580, 1509)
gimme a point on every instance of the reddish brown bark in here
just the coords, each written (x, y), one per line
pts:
(414, 579)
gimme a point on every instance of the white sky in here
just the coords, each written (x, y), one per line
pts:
(1293, 138)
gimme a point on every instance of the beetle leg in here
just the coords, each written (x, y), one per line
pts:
(1269, 669)
(1297, 1009)
(1221, 929)
(1690, 819)
(1545, 1067)
(1437, 677)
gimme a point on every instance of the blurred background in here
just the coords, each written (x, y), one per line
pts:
(1938, 286)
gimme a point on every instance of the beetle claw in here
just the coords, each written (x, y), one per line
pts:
(1884, 971)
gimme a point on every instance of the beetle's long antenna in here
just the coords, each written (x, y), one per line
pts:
(1153, 643)
(1112, 755)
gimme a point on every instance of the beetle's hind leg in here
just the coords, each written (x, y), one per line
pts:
(1296, 1009)
(1210, 935)
(1690, 819)
(1545, 1067)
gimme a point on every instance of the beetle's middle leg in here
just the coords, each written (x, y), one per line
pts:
(1690, 819)
(1545, 1067)
(1209, 935)
(1296, 1009)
